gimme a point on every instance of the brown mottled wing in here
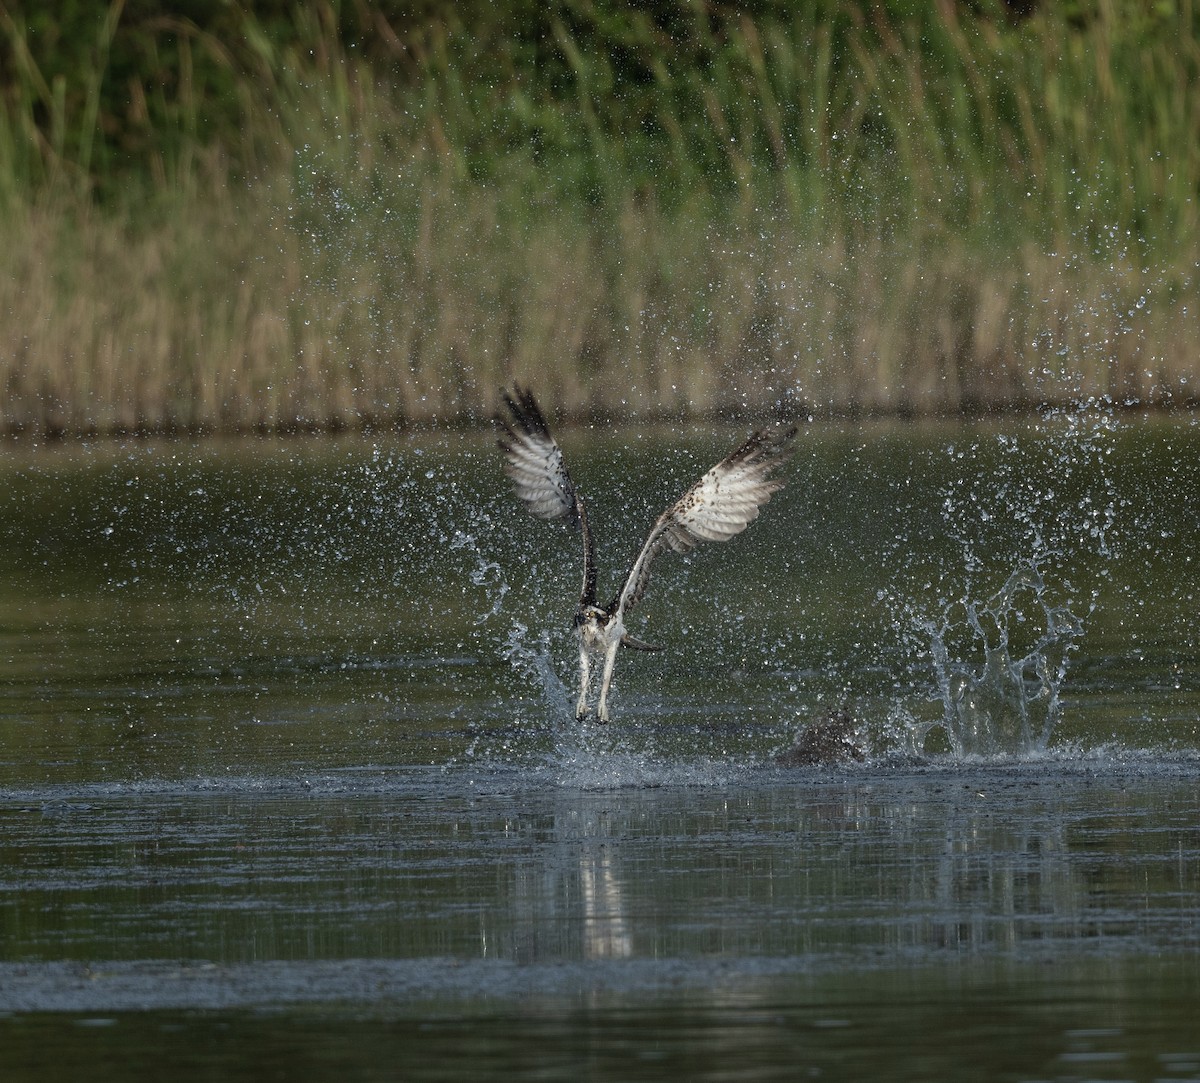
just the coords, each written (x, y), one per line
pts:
(534, 463)
(719, 506)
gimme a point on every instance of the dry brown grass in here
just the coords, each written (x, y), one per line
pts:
(228, 318)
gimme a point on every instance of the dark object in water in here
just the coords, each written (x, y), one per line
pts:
(830, 740)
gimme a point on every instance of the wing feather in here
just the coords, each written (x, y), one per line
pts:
(533, 460)
(534, 464)
(718, 507)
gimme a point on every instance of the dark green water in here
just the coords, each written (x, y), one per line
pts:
(288, 787)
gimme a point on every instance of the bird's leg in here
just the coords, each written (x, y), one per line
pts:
(585, 680)
(610, 660)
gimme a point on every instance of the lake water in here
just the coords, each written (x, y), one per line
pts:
(290, 787)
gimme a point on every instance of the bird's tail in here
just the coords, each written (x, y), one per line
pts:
(637, 644)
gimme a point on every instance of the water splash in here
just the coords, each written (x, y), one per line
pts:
(1004, 698)
(536, 663)
(530, 656)
(1037, 512)
(485, 573)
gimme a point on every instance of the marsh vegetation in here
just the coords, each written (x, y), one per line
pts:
(369, 214)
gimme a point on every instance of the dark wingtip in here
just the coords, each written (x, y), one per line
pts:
(507, 437)
(773, 443)
(785, 442)
(524, 410)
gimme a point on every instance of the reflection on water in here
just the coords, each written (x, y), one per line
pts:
(1044, 914)
(871, 867)
(1095, 1024)
(571, 904)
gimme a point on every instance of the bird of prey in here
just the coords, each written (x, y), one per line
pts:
(720, 505)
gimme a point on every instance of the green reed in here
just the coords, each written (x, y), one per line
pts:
(829, 210)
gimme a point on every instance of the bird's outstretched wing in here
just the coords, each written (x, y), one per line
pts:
(534, 463)
(719, 506)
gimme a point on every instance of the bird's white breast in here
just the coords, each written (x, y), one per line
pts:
(598, 634)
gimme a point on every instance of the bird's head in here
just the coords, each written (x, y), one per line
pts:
(589, 614)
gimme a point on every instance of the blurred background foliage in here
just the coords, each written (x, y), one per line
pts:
(678, 91)
(691, 185)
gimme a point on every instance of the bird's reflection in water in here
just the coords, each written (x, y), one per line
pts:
(605, 929)
(571, 903)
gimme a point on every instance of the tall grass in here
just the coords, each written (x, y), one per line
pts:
(837, 213)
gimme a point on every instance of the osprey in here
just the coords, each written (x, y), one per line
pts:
(720, 505)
